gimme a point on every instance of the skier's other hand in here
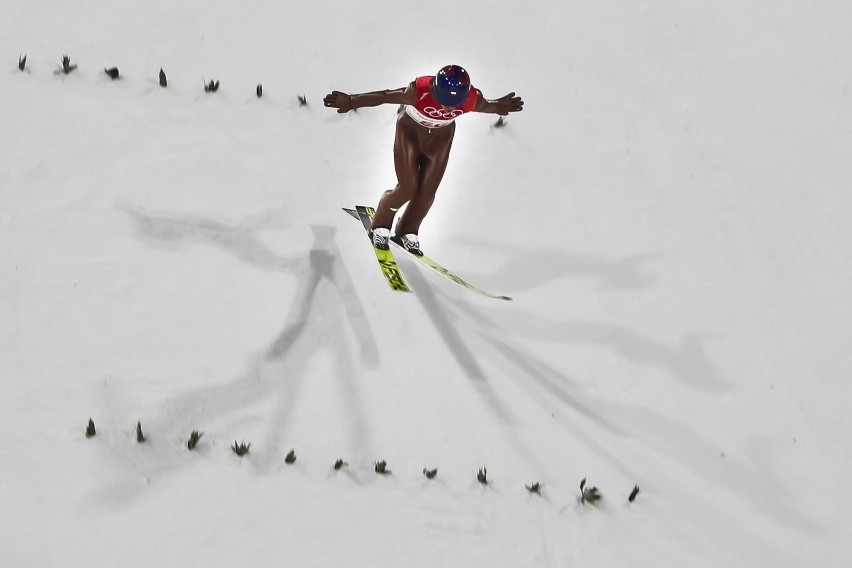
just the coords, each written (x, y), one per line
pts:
(339, 100)
(509, 103)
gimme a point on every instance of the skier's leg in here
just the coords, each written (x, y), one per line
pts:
(406, 161)
(431, 174)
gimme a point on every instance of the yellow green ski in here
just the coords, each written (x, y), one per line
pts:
(365, 214)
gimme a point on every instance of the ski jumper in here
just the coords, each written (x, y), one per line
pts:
(421, 151)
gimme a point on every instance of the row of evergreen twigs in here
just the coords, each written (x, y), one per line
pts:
(212, 86)
(588, 494)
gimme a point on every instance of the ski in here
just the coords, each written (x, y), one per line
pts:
(365, 214)
(385, 257)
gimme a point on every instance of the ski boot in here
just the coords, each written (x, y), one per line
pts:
(409, 242)
(381, 238)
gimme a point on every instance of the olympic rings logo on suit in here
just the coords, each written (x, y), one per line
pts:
(442, 114)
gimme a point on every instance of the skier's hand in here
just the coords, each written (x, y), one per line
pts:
(509, 103)
(341, 101)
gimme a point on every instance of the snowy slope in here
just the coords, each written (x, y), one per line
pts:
(669, 212)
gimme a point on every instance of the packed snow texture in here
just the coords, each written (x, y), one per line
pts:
(670, 212)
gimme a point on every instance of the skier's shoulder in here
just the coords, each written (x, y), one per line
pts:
(422, 83)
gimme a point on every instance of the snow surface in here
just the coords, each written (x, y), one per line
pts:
(670, 212)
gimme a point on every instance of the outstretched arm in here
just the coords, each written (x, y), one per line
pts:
(344, 102)
(502, 106)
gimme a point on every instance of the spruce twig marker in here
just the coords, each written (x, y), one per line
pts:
(67, 67)
(291, 457)
(534, 488)
(22, 61)
(381, 467)
(241, 449)
(303, 100)
(90, 429)
(259, 90)
(339, 464)
(163, 81)
(589, 494)
(112, 72)
(140, 437)
(482, 476)
(211, 87)
(430, 473)
(193, 439)
(633, 494)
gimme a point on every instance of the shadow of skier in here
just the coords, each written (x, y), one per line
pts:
(324, 305)
(530, 269)
(467, 329)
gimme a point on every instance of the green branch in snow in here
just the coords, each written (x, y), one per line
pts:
(241, 449)
(67, 67)
(589, 494)
(90, 429)
(482, 476)
(633, 494)
(193, 439)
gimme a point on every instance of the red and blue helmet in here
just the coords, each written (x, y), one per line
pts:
(451, 85)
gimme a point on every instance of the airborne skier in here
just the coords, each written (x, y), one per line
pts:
(424, 136)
